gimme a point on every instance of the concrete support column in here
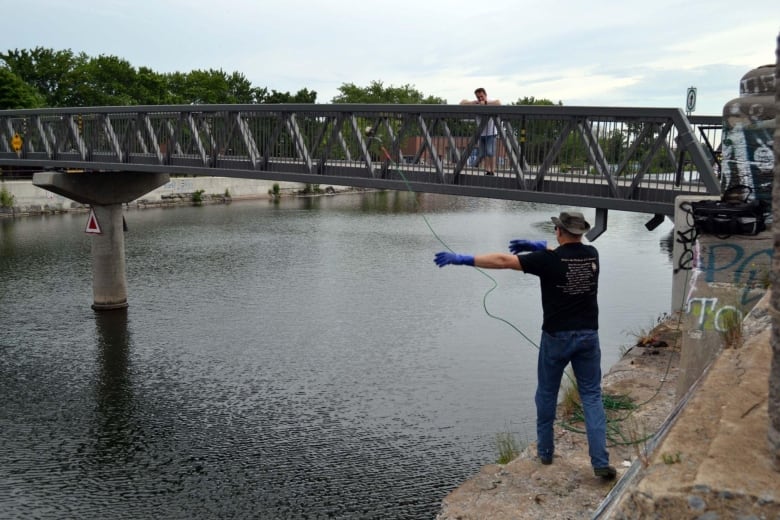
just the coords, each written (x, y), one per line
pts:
(105, 192)
(773, 434)
(714, 278)
(109, 279)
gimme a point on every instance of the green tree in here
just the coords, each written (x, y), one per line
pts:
(102, 81)
(531, 100)
(64, 78)
(151, 88)
(211, 87)
(46, 70)
(175, 84)
(302, 96)
(240, 89)
(206, 87)
(15, 93)
(614, 146)
(376, 92)
(540, 134)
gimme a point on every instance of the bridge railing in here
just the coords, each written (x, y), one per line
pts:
(637, 154)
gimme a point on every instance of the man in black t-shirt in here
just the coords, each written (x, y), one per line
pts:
(569, 279)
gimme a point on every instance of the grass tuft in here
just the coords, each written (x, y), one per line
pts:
(731, 328)
(508, 447)
(571, 404)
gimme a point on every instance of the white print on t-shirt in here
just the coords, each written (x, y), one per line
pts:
(580, 276)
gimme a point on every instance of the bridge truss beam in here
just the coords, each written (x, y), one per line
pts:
(634, 159)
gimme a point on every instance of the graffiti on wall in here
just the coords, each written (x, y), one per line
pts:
(730, 260)
(709, 314)
(748, 267)
(745, 269)
(747, 156)
(735, 264)
(687, 259)
(180, 186)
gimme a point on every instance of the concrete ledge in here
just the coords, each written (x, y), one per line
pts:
(711, 458)
(567, 489)
(32, 200)
(715, 459)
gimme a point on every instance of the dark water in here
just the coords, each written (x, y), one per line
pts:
(300, 360)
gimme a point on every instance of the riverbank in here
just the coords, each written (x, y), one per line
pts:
(708, 457)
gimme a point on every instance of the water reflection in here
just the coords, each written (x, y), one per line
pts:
(666, 244)
(113, 393)
(390, 202)
(7, 238)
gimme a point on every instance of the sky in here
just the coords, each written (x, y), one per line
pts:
(596, 53)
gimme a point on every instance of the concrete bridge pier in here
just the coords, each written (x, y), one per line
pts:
(109, 280)
(105, 193)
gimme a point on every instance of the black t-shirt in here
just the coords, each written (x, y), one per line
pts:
(570, 278)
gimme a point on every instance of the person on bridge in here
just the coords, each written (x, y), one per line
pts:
(487, 140)
(569, 277)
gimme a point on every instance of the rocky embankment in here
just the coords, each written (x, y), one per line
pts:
(704, 457)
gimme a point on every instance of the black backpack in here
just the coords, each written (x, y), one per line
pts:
(733, 214)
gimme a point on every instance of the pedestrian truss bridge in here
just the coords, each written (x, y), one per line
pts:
(630, 159)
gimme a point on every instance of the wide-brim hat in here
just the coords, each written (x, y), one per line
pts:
(572, 221)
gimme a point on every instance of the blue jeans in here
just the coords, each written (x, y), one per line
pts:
(487, 147)
(581, 348)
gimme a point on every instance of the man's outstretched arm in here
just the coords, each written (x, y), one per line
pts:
(498, 261)
(486, 261)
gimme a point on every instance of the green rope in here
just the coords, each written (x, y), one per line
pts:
(481, 271)
(615, 436)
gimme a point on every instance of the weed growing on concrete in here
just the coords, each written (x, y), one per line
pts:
(6, 198)
(570, 403)
(311, 189)
(636, 435)
(672, 458)
(646, 337)
(758, 276)
(197, 197)
(731, 327)
(508, 448)
(765, 278)
(641, 337)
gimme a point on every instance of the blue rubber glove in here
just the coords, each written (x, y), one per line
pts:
(519, 245)
(447, 258)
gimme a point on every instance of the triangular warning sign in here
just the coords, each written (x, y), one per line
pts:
(92, 224)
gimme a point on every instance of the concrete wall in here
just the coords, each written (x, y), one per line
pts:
(27, 196)
(238, 188)
(773, 434)
(716, 280)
